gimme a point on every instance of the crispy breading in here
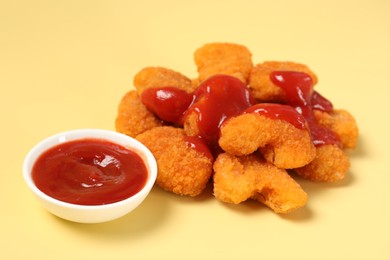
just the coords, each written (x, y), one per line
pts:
(181, 169)
(191, 124)
(157, 77)
(195, 83)
(330, 164)
(133, 118)
(237, 179)
(255, 140)
(342, 123)
(281, 143)
(263, 89)
(223, 58)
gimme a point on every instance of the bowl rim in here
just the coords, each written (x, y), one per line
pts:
(77, 134)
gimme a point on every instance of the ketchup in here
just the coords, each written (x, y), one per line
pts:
(298, 87)
(218, 98)
(221, 97)
(197, 143)
(215, 100)
(89, 172)
(320, 103)
(168, 103)
(279, 111)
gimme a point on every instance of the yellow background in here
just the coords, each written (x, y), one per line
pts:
(66, 64)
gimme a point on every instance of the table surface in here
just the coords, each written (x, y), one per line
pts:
(66, 64)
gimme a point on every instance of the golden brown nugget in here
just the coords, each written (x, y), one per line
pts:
(157, 77)
(331, 164)
(191, 124)
(237, 179)
(195, 83)
(133, 118)
(263, 89)
(281, 143)
(342, 123)
(181, 169)
(223, 58)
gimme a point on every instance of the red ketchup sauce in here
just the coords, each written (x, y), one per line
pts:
(89, 172)
(320, 103)
(298, 87)
(279, 111)
(168, 103)
(197, 143)
(216, 99)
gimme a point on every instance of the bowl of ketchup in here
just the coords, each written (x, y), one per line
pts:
(90, 175)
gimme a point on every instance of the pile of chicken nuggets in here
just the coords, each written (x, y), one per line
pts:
(245, 128)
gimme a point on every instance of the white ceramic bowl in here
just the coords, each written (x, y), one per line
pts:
(85, 213)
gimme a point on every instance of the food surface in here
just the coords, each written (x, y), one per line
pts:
(133, 116)
(184, 166)
(238, 178)
(239, 126)
(277, 140)
(229, 59)
(90, 172)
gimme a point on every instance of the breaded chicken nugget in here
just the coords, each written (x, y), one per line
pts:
(342, 123)
(237, 179)
(263, 89)
(133, 117)
(330, 164)
(223, 58)
(182, 169)
(280, 142)
(157, 77)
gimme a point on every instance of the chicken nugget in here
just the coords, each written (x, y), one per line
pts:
(331, 164)
(281, 143)
(157, 77)
(263, 89)
(237, 179)
(223, 58)
(342, 123)
(133, 118)
(183, 168)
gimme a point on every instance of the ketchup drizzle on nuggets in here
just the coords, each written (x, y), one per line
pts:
(239, 126)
